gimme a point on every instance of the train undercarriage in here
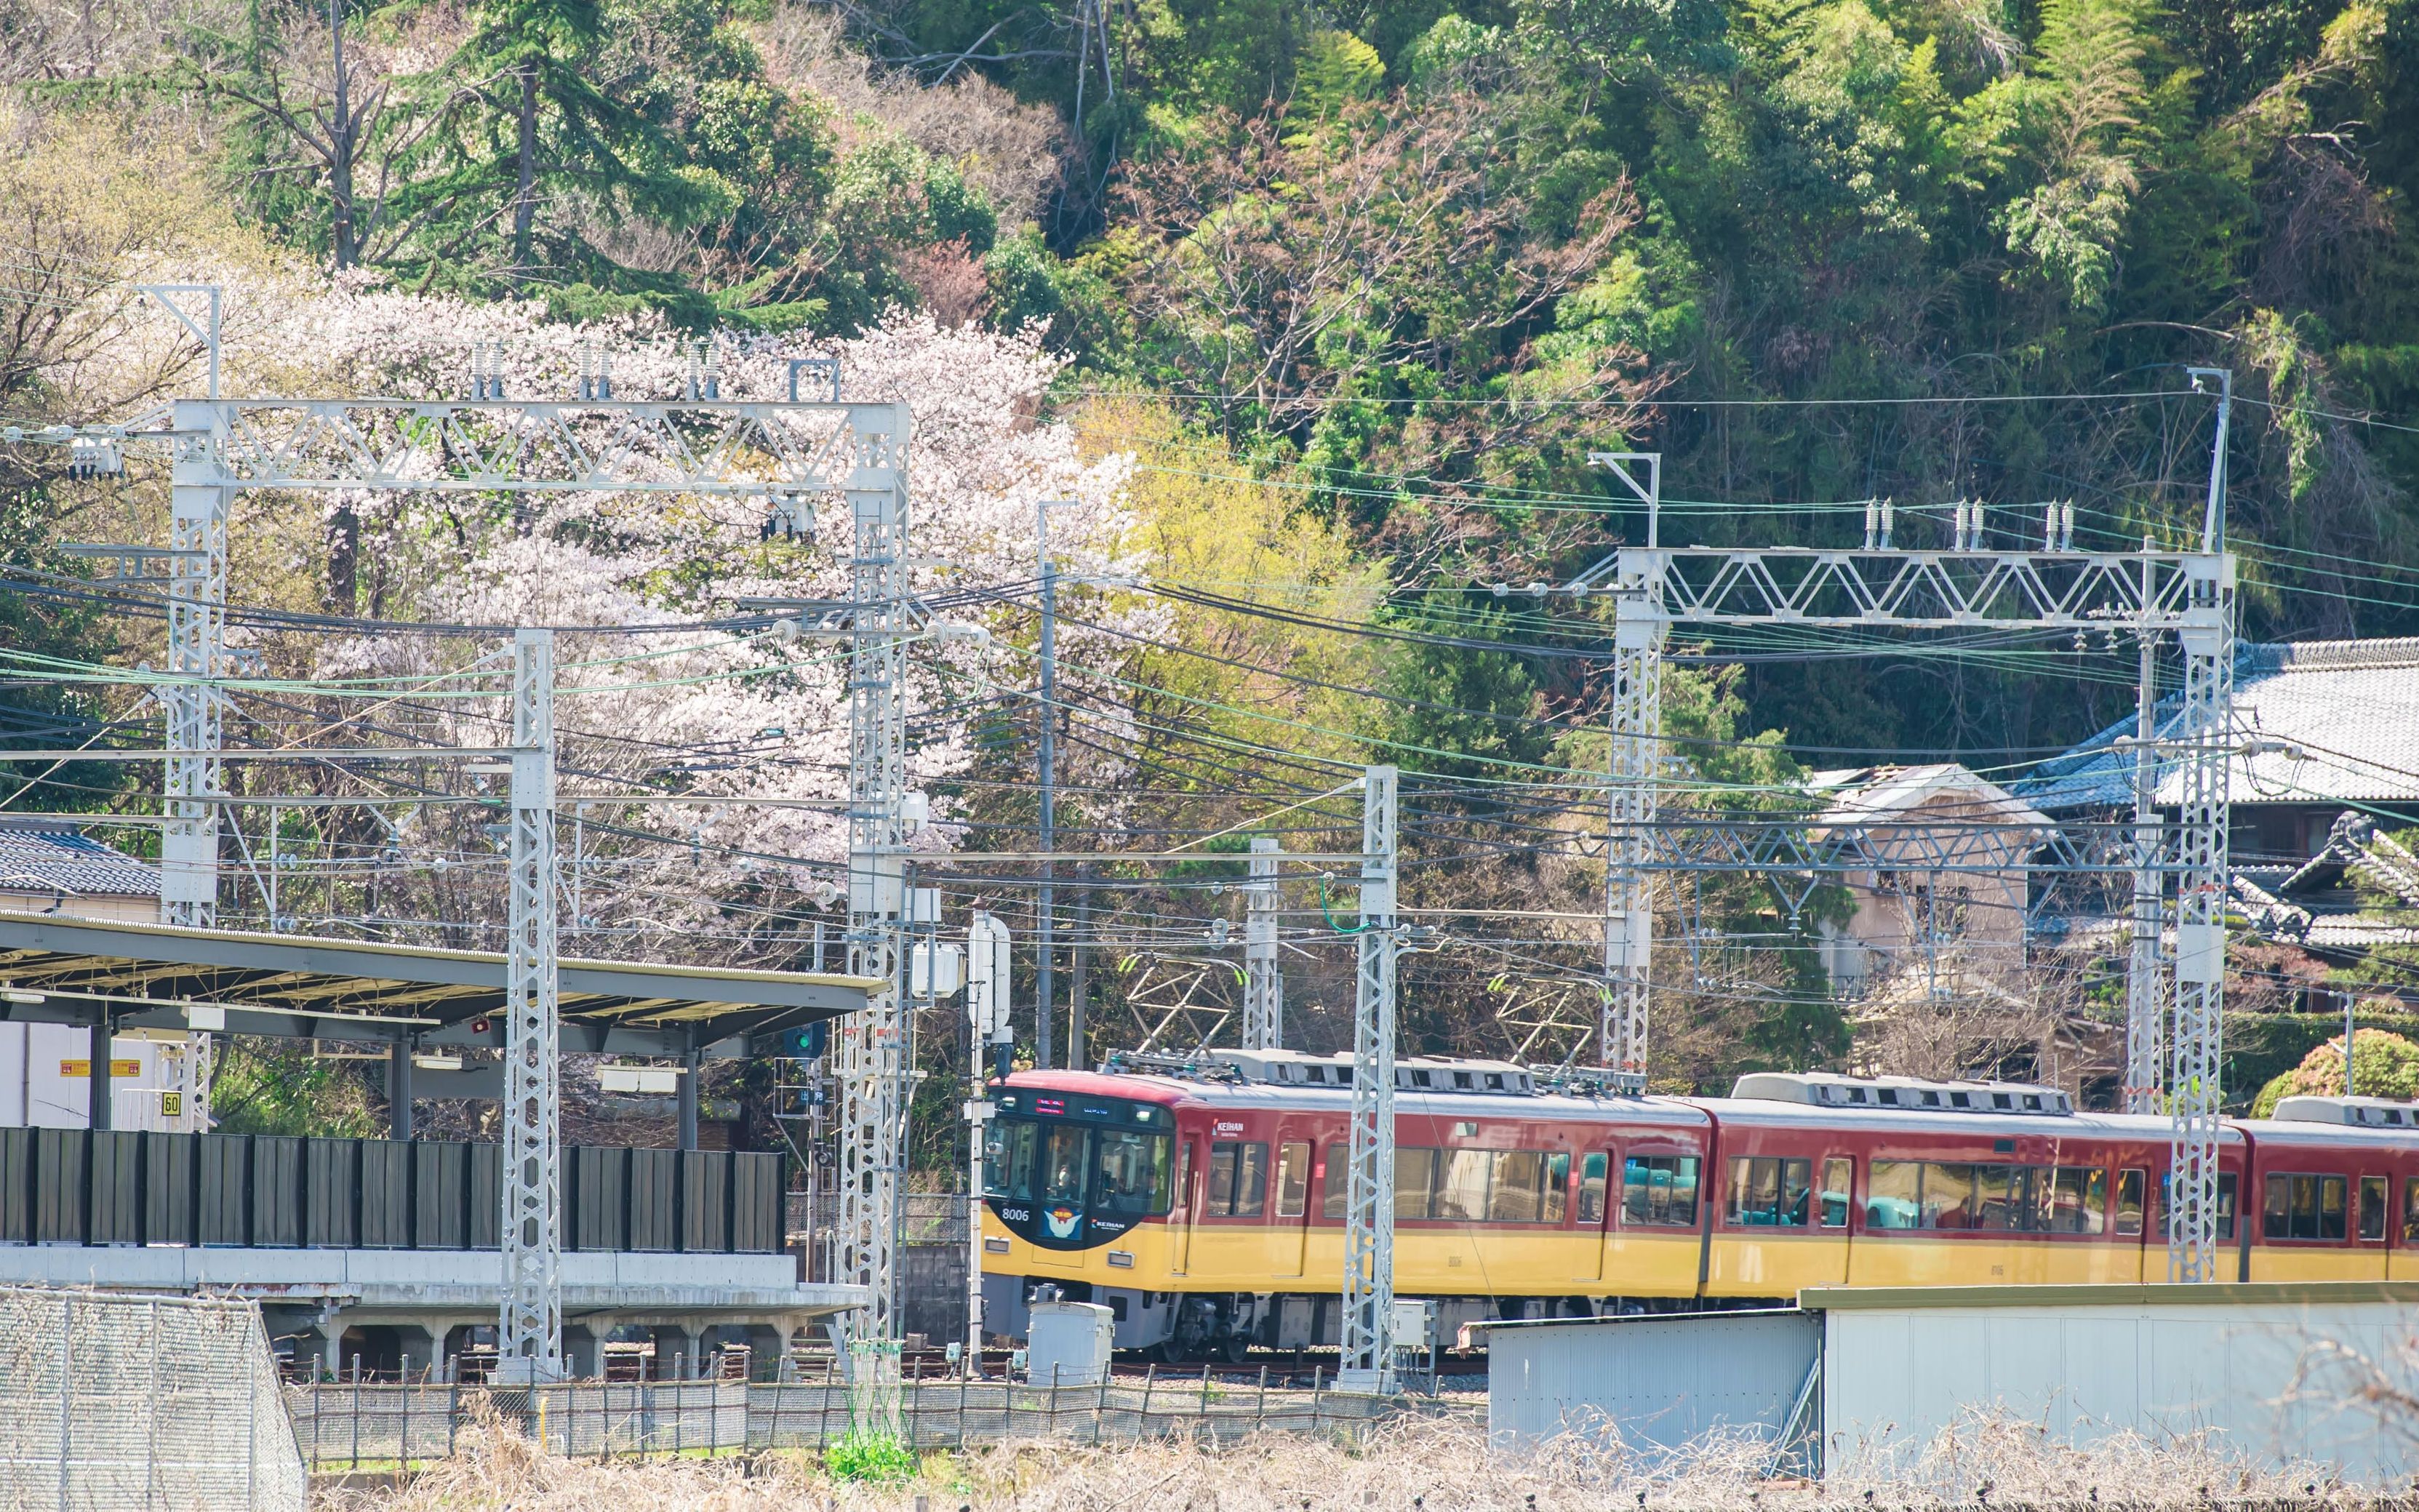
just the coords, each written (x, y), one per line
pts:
(1197, 1326)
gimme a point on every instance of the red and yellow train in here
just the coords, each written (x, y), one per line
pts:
(1204, 1204)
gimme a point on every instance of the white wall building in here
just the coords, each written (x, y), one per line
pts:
(1955, 875)
(49, 866)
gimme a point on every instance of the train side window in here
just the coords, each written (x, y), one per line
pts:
(1838, 1191)
(1415, 1183)
(1593, 1168)
(1414, 1176)
(2001, 1200)
(1947, 1196)
(1461, 1184)
(1894, 1195)
(1517, 1192)
(2131, 1184)
(2410, 1209)
(2303, 1207)
(1558, 1187)
(1238, 1179)
(2077, 1200)
(2372, 1207)
(2225, 1197)
(1659, 1190)
(1132, 1178)
(1293, 1179)
(1767, 1193)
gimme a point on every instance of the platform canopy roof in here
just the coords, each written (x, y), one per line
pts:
(62, 970)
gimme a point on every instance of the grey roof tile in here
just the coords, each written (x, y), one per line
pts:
(2351, 708)
(39, 855)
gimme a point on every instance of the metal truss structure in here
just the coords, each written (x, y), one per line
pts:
(1263, 973)
(2038, 582)
(1179, 1003)
(873, 1066)
(778, 452)
(529, 1336)
(1368, 1348)
(1631, 795)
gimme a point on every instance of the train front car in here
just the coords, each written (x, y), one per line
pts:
(1078, 1180)
(1513, 1197)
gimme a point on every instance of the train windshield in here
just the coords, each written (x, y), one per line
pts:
(1091, 1157)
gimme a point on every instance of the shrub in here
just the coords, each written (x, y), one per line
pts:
(880, 1457)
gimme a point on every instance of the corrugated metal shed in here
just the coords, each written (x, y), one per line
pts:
(1654, 1381)
(2350, 706)
(52, 855)
(2273, 1372)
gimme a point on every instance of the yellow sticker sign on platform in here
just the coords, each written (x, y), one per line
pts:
(117, 1068)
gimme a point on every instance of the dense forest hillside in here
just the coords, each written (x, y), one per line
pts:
(1318, 309)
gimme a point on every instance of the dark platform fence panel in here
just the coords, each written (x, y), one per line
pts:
(105, 1187)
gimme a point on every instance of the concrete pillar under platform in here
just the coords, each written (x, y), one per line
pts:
(416, 1349)
(677, 1348)
(583, 1352)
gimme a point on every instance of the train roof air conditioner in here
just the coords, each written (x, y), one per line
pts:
(1904, 1094)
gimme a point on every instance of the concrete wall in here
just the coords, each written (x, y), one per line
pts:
(38, 1089)
(2278, 1370)
(1659, 1383)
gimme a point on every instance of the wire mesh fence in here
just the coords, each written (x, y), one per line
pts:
(110, 1402)
(347, 1426)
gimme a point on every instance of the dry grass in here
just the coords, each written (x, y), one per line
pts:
(1423, 1467)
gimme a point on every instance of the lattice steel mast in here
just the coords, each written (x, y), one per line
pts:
(2145, 1007)
(194, 706)
(530, 1337)
(1263, 973)
(1971, 584)
(777, 451)
(873, 1044)
(2207, 637)
(1639, 628)
(1368, 1357)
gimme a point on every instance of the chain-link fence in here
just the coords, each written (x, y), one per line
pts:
(358, 1425)
(343, 1425)
(110, 1402)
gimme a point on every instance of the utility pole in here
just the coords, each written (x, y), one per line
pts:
(1368, 1355)
(528, 1339)
(1263, 973)
(1639, 629)
(1046, 747)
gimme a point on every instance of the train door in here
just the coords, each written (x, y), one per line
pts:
(1179, 1214)
(1834, 1204)
(1592, 1210)
(1292, 1229)
(2372, 1219)
(2402, 1229)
